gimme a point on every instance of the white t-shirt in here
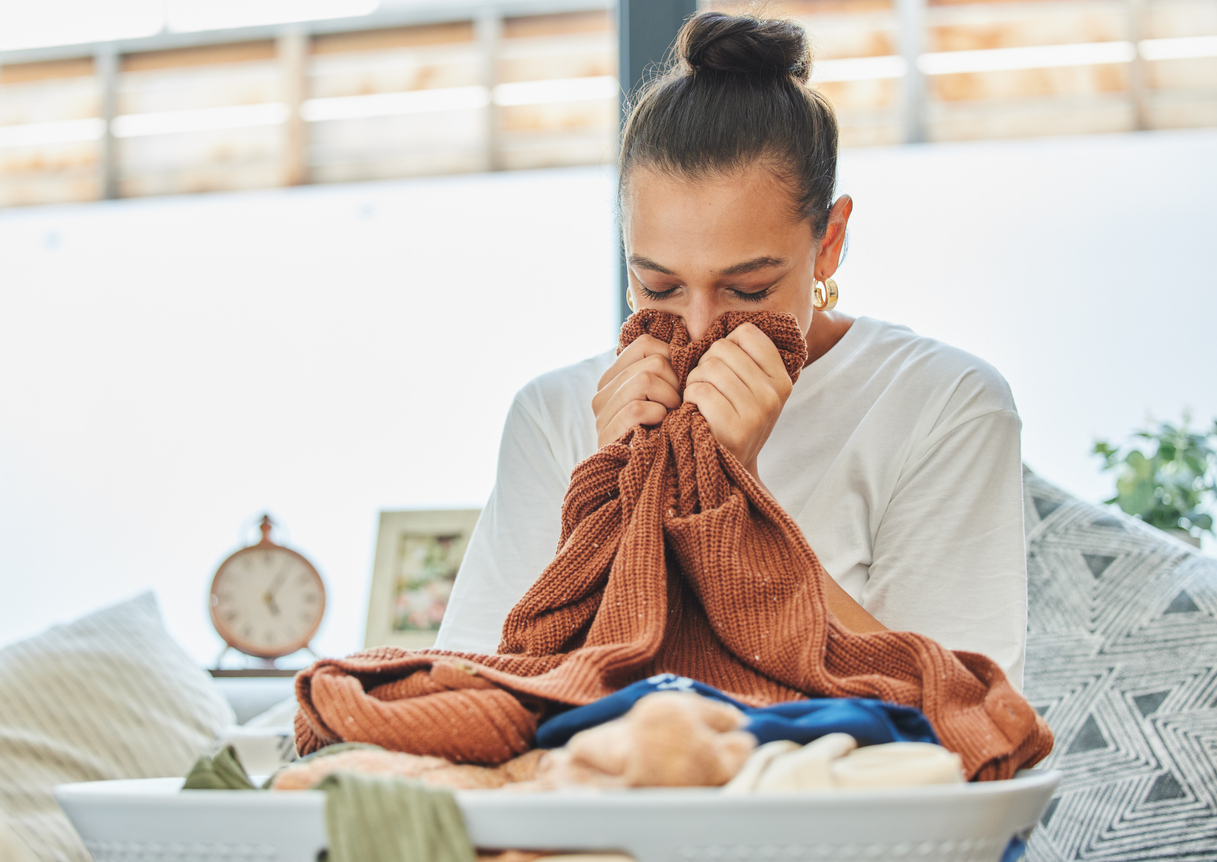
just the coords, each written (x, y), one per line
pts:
(898, 456)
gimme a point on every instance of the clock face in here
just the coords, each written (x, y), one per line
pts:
(267, 601)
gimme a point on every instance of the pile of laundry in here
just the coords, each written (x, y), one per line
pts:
(671, 731)
(666, 731)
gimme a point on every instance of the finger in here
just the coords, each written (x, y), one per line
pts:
(643, 389)
(655, 363)
(633, 414)
(645, 382)
(746, 403)
(717, 410)
(733, 356)
(649, 379)
(640, 348)
(739, 378)
(652, 381)
(761, 349)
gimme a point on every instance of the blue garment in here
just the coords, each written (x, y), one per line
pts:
(871, 722)
(1014, 850)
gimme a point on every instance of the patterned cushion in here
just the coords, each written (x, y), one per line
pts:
(111, 695)
(1122, 662)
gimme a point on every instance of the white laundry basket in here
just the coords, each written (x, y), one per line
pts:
(152, 820)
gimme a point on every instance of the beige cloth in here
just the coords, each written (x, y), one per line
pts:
(897, 764)
(667, 739)
(432, 771)
(834, 762)
(808, 768)
(746, 779)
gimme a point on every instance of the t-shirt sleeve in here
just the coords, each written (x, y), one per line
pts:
(949, 556)
(515, 538)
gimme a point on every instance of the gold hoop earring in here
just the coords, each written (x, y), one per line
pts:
(824, 294)
(629, 298)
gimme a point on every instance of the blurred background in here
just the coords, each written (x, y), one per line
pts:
(297, 256)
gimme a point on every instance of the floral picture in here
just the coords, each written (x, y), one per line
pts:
(426, 567)
(418, 554)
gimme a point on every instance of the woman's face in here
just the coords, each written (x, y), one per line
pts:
(698, 248)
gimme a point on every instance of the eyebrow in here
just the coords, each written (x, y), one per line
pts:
(647, 263)
(737, 269)
(753, 265)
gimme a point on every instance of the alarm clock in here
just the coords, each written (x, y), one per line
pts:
(267, 600)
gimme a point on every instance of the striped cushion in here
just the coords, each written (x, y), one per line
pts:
(111, 695)
(12, 848)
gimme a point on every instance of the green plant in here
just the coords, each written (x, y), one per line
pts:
(1166, 476)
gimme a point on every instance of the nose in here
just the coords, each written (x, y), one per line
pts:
(701, 310)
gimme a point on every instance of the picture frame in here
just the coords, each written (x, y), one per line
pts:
(418, 553)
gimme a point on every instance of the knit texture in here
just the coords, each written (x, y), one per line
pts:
(674, 559)
(384, 818)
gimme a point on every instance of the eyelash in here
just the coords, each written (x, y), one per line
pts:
(753, 297)
(756, 296)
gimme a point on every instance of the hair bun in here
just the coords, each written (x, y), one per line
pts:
(743, 45)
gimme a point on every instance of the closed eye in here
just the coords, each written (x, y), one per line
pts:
(746, 296)
(754, 296)
(656, 294)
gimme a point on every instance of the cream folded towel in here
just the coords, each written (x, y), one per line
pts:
(808, 767)
(750, 773)
(834, 762)
(898, 764)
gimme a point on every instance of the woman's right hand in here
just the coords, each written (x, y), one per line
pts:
(638, 389)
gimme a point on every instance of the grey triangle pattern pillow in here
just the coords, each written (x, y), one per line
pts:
(1122, 663)
(111, 695)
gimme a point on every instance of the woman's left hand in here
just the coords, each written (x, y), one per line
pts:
(740, 385)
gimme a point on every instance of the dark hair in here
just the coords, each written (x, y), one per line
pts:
(736, 93)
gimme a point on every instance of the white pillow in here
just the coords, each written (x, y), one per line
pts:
(111, 695)
(12, 848)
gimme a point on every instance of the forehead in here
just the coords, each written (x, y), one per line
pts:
(728, 217)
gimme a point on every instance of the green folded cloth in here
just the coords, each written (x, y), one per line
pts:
(380, 818)
(369, 818)
(222, 772)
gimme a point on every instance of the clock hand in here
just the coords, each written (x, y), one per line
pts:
(278, 582)
(269, 596)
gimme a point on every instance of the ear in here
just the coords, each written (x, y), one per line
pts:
(829, 256)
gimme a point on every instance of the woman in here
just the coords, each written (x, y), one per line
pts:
(898, 456)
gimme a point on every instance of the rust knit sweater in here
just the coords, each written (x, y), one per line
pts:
(672, 558)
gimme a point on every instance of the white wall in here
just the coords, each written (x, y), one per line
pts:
(170, 368)
(1085, 269)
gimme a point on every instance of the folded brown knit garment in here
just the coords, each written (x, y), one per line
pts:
(672, 559)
